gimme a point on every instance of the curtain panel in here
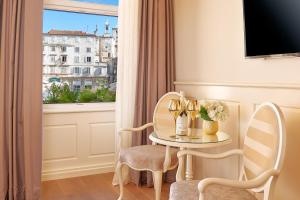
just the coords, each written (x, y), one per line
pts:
(156, 68)
(128, 23)
(20, 99)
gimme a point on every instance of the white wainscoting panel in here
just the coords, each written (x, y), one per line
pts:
(101, 139)
(78, 142)
(230, 166)
(248, 97)
(64, 140)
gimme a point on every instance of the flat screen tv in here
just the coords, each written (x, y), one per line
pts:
(272, 27)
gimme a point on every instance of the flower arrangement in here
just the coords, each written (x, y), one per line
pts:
(214, 111)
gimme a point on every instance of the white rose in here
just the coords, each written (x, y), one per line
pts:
(212, 114)
(220, 108)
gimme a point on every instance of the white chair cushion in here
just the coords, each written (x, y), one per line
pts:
(150, 157)
(188, 190)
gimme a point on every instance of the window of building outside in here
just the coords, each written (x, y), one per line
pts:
(88, 59)
(86, 71)
(76, 59)
(80, 53)
(77, 70)
(63, 59)
(63, 70)
(63, 48)
(52, 58)
(52, 70)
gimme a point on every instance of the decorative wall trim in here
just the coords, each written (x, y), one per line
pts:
(81, 7)
(78, 108)
(77, 171)
(241, 85)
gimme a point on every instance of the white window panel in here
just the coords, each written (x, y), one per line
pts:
(76, 59)
(81, 7)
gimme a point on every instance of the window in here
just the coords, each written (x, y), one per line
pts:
(76, 88)
(63, 70)
(52, 58)
(63, 49)
(108, 2)
(76, 38)
(86, 71)
(76, 59)
(88, 84)
(98, 71)
(64, 58)
(77, 70)
(76, 85)
(88, 59)
(52, 70)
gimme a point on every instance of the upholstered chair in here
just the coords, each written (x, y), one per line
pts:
(262, 157)
(151, 157)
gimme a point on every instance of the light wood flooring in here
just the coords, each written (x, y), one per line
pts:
(96, 187)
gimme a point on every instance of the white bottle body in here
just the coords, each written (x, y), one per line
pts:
(181, 125)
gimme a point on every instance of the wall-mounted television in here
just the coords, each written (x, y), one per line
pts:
(271, 27)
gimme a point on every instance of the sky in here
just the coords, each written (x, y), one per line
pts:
(76, 21)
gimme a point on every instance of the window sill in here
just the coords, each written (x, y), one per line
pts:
(78, 107)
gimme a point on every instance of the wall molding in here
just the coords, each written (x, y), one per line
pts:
(241, 85)
(62, 173)
(78, 107)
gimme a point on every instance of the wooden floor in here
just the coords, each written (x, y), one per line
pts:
(96, 187)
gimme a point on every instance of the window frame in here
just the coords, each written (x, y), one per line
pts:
(84, 8)
(76, 59)
(81, 7)
(76, 49)
(52, 58)
(62, 58)
(89, 59)
(63, 49)
(76, 69)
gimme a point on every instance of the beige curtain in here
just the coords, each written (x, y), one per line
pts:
(20, 99)
(128, 24)
(156, 67)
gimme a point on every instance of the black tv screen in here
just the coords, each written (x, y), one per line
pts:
(272, 27)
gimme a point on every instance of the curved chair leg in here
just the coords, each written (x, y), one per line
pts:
(157, 180)
(119, 172)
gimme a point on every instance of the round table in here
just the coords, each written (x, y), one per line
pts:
(196, 140)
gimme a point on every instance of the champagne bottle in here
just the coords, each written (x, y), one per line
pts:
(182, 120)
(181, 123)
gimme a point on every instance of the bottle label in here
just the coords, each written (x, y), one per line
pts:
(181, 125)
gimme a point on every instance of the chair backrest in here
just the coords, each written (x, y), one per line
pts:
(162, 118)
(264, 145)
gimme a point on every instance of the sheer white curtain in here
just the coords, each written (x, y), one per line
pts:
(127, 71)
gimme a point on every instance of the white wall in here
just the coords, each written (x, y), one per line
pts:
(210, 46)
(210, 63)
(78, 139)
